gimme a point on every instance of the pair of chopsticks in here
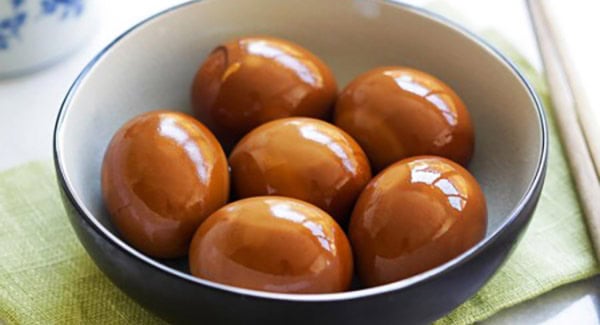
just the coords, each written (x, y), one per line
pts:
(574, 119)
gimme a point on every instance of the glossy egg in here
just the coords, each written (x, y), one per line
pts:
(396, 113)
(163, 173)
(252, 80)
(303, 158)
(415, 215)
(272, 244)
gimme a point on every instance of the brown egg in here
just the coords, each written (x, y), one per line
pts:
(163, 173)
(273, 244)
(252, 80)
(396, 113)
(303, 158)
(415, 215)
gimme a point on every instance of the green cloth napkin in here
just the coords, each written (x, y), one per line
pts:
(47, 278)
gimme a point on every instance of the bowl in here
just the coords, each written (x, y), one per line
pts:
(152, 66)
(35, 34)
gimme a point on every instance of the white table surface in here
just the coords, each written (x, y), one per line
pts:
(29, 104)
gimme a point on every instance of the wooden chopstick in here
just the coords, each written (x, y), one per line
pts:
(587, 119)
(565, 112)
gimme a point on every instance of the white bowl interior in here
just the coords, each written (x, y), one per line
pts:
(153, 66)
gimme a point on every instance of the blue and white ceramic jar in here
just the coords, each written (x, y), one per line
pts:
(36, 33)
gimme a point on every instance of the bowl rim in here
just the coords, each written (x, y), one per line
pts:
(516, 213)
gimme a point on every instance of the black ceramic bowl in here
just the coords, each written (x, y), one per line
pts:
(152, 66)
